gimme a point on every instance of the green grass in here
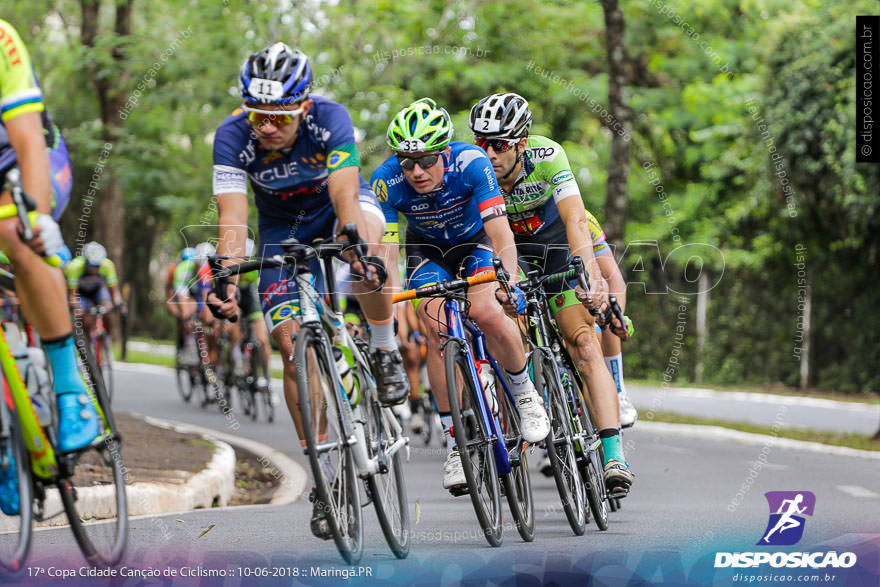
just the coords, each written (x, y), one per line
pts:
(857, 441)
(778, 389)
(166, 360)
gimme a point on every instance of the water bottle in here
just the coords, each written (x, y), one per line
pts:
(487, 378)
(38, 385)
(345, 375)
(25, 360)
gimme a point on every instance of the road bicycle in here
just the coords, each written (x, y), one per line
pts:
(254, 391)
(195, 374)
(485, 424)
(102, 347)
(89, 485)
(573, 445)
(348, 433)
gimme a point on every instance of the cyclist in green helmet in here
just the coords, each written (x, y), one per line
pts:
(456, 223)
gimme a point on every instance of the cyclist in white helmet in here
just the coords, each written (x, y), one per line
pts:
(550, 224)
(92, 281)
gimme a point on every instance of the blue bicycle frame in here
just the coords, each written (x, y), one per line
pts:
(459, 330)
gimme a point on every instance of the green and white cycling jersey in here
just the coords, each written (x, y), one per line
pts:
(545, 180)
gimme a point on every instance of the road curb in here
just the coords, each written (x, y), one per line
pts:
(293, 477)
(213, 485)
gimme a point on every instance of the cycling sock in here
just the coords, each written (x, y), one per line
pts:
(611, 443)
(520, 382)
(62, 356)
(382, 334)
(615, 365)
(446, 422)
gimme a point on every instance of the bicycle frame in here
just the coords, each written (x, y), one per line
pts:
(43, 461)
(459, 330)
(315, 312)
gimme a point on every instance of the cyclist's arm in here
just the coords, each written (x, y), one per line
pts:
(498, 231)
(232, 230)
(611, 273)
(26, 137)
(577, 231)
(344, 188)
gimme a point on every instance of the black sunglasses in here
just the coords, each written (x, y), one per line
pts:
(425, 161)
(499, 145)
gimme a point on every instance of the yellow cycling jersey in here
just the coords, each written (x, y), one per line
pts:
(19, 90)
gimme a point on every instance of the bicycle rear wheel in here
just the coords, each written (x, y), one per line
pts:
(388, 489)
(186, 382)
(560, 446)
(330, 456)
(100, 526)
(474, 445)
(16, 529)
(517, 483)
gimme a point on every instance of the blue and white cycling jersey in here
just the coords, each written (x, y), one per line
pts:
(290, 186)
(453, 214)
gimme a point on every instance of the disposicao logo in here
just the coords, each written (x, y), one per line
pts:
(787, 511)
(785, 528)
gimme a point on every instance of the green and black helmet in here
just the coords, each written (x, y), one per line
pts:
(421, 126)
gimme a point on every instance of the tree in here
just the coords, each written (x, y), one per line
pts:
(109, 76)
(621, 114)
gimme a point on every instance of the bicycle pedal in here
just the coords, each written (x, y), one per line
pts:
(618, 493)
(459, 490)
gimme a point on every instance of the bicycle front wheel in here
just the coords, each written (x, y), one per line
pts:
(590, 457)
(560, 446)
(517, 483)
(388, 488)
(99, 525)
(107, 365)
(330, 455)
(474, 444)
(15, 471)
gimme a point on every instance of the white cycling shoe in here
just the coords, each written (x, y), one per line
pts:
(453, 472)
(533, 421)
(628, 413)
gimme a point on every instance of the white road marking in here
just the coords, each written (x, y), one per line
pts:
(857, 491)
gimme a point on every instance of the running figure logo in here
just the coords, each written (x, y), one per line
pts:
(787, 508)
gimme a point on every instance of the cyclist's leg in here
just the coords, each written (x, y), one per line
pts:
(105, 301)
(42, 294)
(578, 329)
(376, 305)
(504, 341)
(279, 301)
(410, 348)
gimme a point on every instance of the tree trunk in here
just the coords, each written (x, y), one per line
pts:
(111, 96)
(702, 330)
(618, 108)
(805, 351)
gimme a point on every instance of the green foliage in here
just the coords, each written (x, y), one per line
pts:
(717, 89)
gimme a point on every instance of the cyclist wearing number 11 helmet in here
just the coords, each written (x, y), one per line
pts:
(298, 153)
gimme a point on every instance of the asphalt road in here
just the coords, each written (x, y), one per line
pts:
(693, 495)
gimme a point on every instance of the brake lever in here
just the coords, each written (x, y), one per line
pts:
(220, 276)
(503, 277)
(23, 202)
(354, 240)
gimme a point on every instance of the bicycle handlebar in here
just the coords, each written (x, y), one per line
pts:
(444, 287)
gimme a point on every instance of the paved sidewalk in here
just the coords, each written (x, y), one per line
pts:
(763, 409)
